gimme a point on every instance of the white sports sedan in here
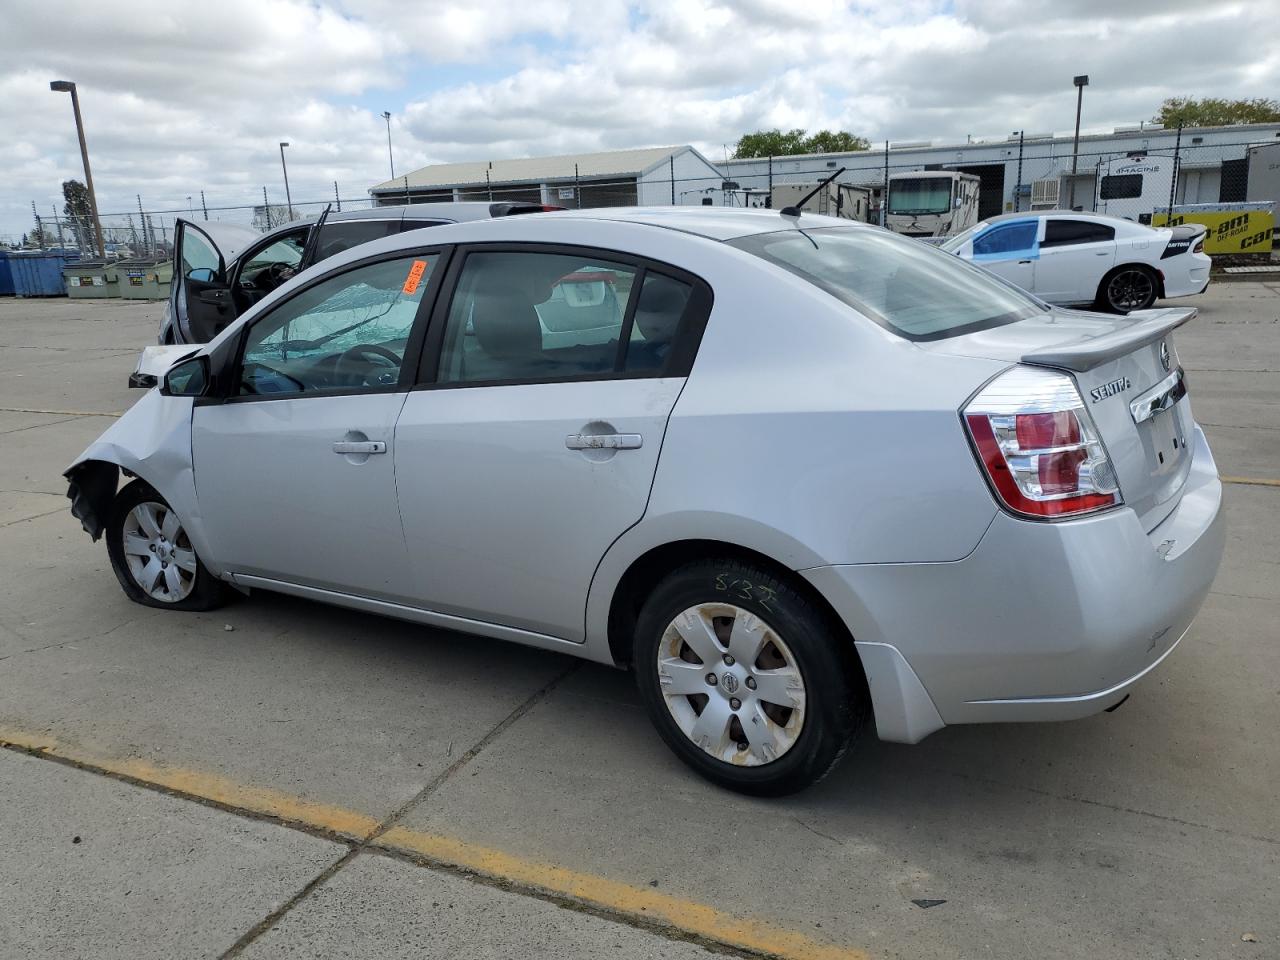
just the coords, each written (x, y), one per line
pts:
(1069, 258)
(800, 474)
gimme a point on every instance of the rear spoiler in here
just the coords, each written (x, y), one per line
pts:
(1147, 326)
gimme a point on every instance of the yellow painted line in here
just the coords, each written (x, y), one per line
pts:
(1252, 481)
(640, 902)
(643, 904)
(207, 786)
(63, 413)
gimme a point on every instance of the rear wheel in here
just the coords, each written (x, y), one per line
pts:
(152, 555)
(745, 679)
(1128, 288)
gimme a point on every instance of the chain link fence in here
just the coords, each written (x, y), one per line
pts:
(1013, 176)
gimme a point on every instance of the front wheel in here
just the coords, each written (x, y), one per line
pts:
(1127, 289)
(152, 555)
(745, 679)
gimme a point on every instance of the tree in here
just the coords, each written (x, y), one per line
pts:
(841, 141)
(778, 143)
(1216, 112)
(79, 213)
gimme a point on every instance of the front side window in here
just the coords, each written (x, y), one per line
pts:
(523, 317)
(275, 263)
(339, 235)
(348, 332)
(1121, 186)
(1005, 241)
(920, 195)
(908, 287)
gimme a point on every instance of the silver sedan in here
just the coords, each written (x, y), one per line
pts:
(802, 476)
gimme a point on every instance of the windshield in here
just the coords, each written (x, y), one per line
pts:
(909, 287)
(920, 195)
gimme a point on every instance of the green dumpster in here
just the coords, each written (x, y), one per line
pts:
(144, 278)
(90, 279)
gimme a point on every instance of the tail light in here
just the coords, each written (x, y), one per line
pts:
(1198, 246)
(1039, 447)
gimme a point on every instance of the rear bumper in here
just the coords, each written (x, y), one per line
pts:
(1185, 281)
(1043, 621)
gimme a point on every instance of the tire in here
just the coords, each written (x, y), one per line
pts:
(190, 586)
(789, 747)
(1128, 288)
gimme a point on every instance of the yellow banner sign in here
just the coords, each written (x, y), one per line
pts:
(1230, 231)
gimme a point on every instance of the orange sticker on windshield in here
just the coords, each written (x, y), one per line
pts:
(415, 277)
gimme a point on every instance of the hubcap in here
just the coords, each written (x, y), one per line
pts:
(1130, 290)
(160, 558)
(731, 684)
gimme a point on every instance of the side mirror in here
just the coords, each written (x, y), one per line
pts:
(188, 379)
(201, 274)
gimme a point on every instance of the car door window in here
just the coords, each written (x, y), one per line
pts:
(522, 317)
(337, 236)
(200, 260)
(1007, 241)
(269, 266)
(660, 308)
(348, 332)
(1061, 233)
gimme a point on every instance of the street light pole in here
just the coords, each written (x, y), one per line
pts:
(66, 86)
(1080, 82)
(386, 115)
(287, 198)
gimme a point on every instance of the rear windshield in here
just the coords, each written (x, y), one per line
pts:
(912, 288)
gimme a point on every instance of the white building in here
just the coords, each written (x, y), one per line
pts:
(1212, 164)
(617, 178)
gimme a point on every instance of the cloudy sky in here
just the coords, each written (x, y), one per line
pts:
(180, 97)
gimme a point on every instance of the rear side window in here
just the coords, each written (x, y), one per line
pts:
(340, 235)
(909, 287)
(1121, 186)
(419, 224)
(1061, 233)
(522, 317)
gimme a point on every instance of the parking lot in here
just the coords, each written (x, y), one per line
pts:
(280, 778)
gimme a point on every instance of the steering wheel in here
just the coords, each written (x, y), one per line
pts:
(372, 355)
(273, 275)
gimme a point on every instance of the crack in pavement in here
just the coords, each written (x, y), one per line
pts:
(37, 426)
(274, 917)
(1119, 808)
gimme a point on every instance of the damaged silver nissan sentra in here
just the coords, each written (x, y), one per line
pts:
(800, 475)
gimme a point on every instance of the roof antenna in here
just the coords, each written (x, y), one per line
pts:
(795, 211)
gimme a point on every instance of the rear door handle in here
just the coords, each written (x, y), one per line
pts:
(604, 441)
(360, 446)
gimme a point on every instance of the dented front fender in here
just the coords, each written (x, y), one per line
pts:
(151, 441)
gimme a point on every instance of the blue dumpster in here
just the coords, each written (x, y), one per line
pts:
(6, 275)
(38, 274)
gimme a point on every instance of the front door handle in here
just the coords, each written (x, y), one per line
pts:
(360, 446)
(604, 441)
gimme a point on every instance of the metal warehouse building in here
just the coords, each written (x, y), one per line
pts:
(618, 178)
(1213, 167)
(1212, 164)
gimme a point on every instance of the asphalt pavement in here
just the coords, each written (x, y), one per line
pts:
(284, 779)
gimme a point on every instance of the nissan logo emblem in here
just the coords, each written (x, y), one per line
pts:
(1164, 354)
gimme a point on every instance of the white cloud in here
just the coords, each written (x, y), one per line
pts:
(184, 96)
